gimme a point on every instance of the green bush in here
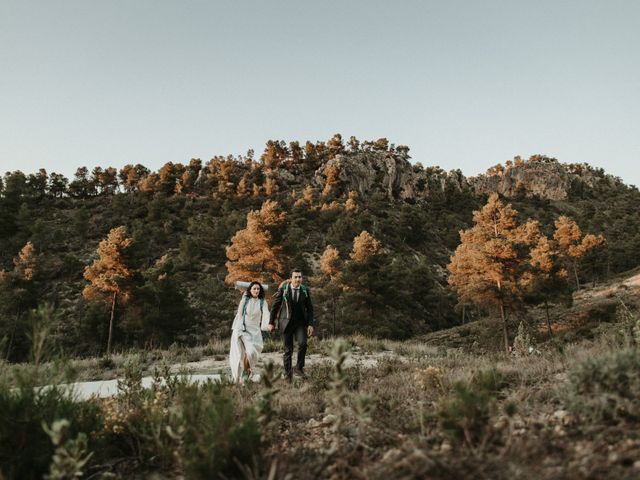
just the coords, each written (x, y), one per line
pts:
(214, 440)
(466, 413)
(176, 426)
(607, 387)
(25, 448)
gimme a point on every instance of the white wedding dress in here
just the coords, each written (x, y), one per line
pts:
(246, 335)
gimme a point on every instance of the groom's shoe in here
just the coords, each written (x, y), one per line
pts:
(300, 372)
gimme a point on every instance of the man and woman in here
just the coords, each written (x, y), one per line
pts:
(292, 309)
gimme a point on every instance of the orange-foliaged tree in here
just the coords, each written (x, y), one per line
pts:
(487, 267)
(365, 246)
(26, 262)
(253, 254)
(330, 262)
(110, 276)
(547, 279)
(572, 245)
(330, 266)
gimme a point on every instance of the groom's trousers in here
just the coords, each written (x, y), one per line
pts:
(299, 332)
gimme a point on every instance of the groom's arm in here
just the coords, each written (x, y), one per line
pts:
(310, 310)
(275, 307)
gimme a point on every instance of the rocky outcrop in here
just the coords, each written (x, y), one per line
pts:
(541, 176)
(545, 179)
(392, 173)
(362, 171)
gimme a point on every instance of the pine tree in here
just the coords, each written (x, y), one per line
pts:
(38, 183)
(80, 186)
(359, 283)
(58, 184)
(332, 182)
(158, 311)
(572, 245)
(488, 265)
(253, 255)
(26, 261)
(335, 145)
(547, 280)
(364, 247)
(330, 266)
(110, 276)
(330, 262)
(18, 294)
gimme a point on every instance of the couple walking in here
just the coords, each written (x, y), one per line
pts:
(292, 308)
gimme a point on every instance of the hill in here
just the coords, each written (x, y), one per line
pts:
(182, 217)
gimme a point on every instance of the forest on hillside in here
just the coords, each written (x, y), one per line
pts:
(372, 232)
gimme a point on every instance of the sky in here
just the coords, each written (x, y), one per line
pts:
(465, 84)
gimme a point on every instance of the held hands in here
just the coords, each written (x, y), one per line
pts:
(309, 329)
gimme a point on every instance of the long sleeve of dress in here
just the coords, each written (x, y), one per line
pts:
(237, 320)
(266, 317)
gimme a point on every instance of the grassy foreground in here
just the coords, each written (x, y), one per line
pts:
(566, 408)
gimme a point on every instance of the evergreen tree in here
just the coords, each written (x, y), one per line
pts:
(332, 180)
(330, 266)
(365, 246)
(110, 275)
(158, 312)
(38, 183)
(253, 254)
(80, 186)
(335, 145)
(573, 246)
(18, 294)
(58, 184)
(109, 181)
(488, 265)
(547, 280)
(131, 176)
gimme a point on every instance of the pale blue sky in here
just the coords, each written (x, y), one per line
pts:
(465, 84)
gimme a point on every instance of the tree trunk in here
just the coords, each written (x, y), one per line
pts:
(504, 328)
(546, 308)
(113, 309)
(575, 272)
(463, 312)
(13, 334)
(333, 312)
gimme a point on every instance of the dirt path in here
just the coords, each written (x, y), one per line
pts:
(210, 365)
(210, 369)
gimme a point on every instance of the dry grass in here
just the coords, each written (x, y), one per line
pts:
(443, 406)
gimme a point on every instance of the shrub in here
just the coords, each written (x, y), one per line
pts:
(522, 342)
(71, 455)
(607, 387)
(214, 440)
(137, 420)
(629, 324)
(178, 426)
(25, 448)
(466, 414)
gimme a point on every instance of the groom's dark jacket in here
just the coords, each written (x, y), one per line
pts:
(286, 310)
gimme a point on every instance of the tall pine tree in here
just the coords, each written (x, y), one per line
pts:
(110, 276)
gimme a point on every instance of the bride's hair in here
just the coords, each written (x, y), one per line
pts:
(248, 291)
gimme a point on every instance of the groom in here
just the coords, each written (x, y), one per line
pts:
(292, 306)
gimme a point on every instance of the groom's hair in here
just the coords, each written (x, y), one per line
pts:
(296, 270)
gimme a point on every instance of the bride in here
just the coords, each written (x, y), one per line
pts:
(246, 337)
